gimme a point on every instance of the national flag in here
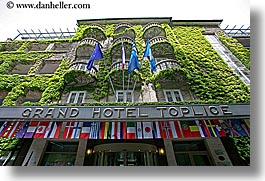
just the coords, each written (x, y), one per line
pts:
(119, 130)
(85, 131)
(96, 54)
(147, 130)
(123, 55)
(12, 130)
(190, 129)
(165, 129)
(41, 129)
(139, 130)
(133, 63)
(240, 126)
(168, 129)
(234, 127)
(123, 130)
(177, 128)
(4, 126)
(22, 129)
(215, 128)
(131, 130)
(69, 128)
(53, 130)
(103, 130)
(156, 129)
(31, 129)
(77, 130)
(94, 130)
(114, 130)
(148, 54)
(203, 128)
(72, 130)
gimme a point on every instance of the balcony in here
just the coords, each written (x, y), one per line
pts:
(81, 65)
(163, 64)
(118, 65)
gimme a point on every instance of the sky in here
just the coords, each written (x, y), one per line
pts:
(232, 12)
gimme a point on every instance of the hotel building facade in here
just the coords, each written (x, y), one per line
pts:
(193, 110)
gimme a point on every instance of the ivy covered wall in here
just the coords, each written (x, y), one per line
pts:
(209, 77)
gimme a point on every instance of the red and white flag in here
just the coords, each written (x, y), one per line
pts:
(53, 130)
(31, 129)
(12, 130)
(147, 130)
(85, 131)
(123, 56)
(41, 129)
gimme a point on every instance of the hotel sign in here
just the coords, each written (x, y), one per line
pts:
(127, 113)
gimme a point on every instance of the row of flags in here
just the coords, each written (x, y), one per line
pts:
(133, 63)
(125, 130)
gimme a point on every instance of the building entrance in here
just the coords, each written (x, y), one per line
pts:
(125, 154)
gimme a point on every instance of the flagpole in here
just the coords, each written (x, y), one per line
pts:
(123, 65)
(135, 82)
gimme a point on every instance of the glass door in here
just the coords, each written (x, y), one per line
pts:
(121, 154)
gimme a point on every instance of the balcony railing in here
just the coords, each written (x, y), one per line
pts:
(90, 41)
(118, 65)
(127, 25)
(81, 65)
(122, 39)
(157, 39)
(150, 24)
(163, 64)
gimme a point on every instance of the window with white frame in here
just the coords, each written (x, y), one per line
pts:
(173, 95)
(76, 97)
(124, 96)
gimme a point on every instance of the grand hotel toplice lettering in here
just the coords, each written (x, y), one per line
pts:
(115, 112)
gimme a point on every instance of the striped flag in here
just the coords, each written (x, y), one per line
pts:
(203, 128)
(85, 131)
(123, 56)
(156, 130)
(190, 129)
(114, 130)
(22, 130)
(131, 130)
(94, 130)
(31, 129)
(4, 126)
(53, 130)
(12, 130)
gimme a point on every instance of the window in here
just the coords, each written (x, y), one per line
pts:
(60, 154)
(124, 96)
(191, 153)
(173, 95)
(76, 97)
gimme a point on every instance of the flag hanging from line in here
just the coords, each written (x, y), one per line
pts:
(148, 54)
(97, 54)
(133, 63)
(123, 56)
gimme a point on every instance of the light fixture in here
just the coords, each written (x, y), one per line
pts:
(89, 151)
(161, 151)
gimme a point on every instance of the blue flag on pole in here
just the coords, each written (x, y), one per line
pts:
(133, 63)
(97, 54)
(148, 54)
